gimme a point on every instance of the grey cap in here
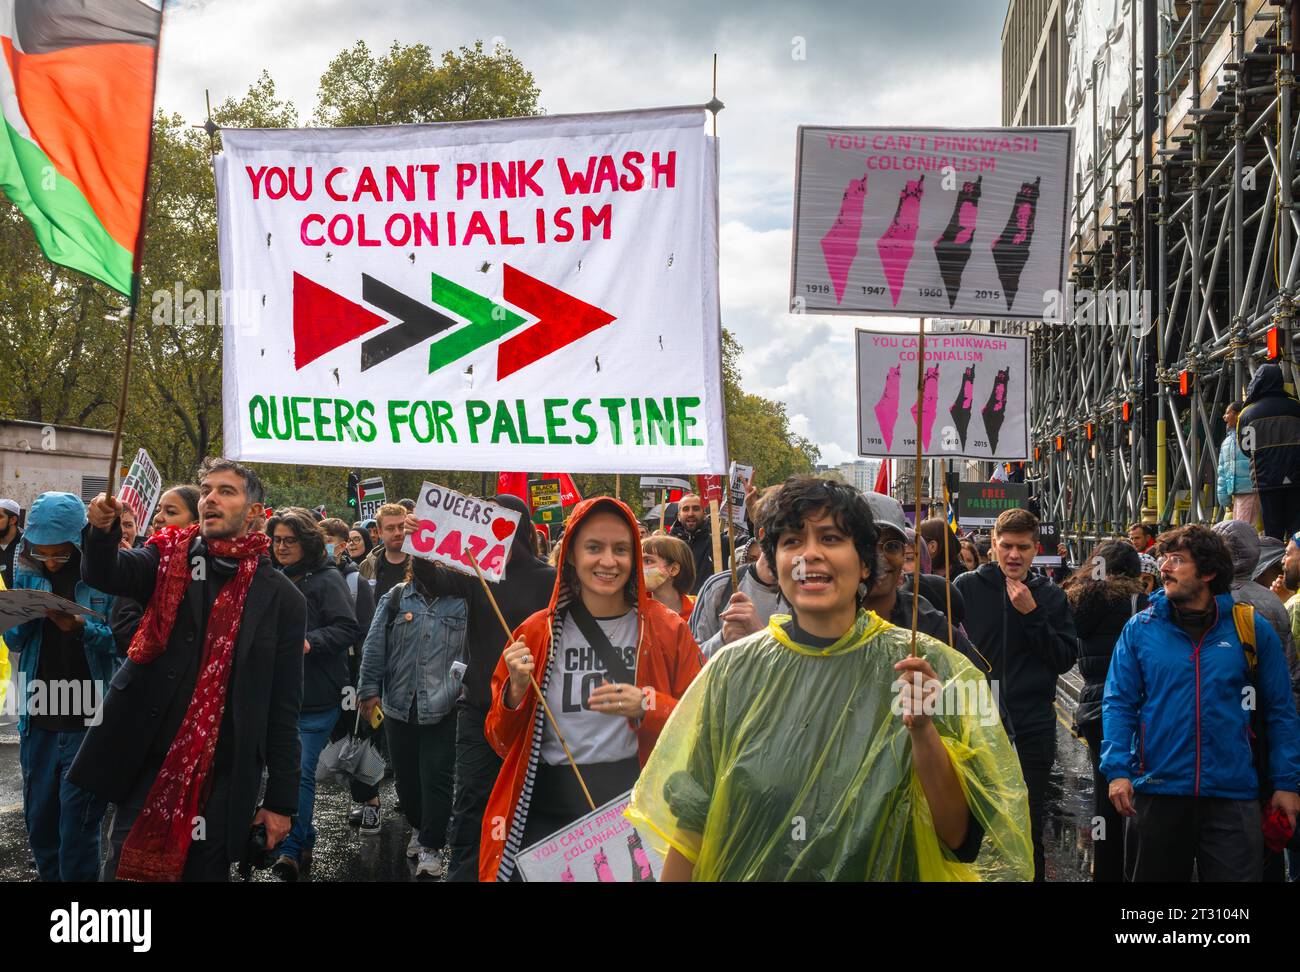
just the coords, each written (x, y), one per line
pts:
(888, 514)
(10, 506)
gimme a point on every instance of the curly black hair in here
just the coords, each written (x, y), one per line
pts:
(802, 496)
(1208, 552)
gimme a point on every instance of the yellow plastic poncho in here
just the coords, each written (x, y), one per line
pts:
(784, 762)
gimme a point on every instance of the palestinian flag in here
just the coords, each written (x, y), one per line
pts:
(76, 97)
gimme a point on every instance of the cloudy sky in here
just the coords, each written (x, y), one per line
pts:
(865, 62)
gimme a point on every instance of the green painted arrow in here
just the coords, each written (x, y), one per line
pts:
(488, 321)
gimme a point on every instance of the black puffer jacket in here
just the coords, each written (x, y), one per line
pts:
(331, 631)
(1098, 620)
(1269, 431)
(1025, 652)
(364, 606)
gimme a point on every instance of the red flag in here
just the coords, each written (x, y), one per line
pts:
(569, 494)
(513, 484)
(882, 478)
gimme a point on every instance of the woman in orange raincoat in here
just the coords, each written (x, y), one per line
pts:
(612, 663)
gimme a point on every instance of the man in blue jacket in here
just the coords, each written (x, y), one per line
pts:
(1176, 723)
(65, 663)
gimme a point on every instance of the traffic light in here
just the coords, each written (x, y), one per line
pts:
(354, 483)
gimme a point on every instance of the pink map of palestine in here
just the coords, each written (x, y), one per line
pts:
(896, 246)
(840, 244)
(887, 407)
(929, 397)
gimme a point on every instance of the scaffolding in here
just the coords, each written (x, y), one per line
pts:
(1183, 259)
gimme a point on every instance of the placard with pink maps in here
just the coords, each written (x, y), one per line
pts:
(973, 401)
(926, 222)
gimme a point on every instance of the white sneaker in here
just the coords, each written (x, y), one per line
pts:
(430, 865)
(413, 848)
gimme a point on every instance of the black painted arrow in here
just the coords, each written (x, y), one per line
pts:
(419, 322)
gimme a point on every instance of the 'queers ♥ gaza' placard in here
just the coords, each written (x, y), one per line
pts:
(454, 527)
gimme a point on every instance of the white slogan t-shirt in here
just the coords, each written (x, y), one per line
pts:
(593, 737)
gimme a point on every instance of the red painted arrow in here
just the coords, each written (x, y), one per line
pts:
(324, 320)
(561, 319)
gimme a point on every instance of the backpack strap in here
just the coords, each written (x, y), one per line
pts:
(1243, 616)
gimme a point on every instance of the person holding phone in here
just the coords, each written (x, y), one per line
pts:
(611, 662)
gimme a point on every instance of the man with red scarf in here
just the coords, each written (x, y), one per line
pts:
(209, 694)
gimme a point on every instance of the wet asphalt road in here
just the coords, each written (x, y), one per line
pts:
(343, 854)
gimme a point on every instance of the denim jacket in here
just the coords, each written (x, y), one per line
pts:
(97, 637)
(413, 661)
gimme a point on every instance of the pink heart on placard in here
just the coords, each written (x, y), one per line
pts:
(502, 528)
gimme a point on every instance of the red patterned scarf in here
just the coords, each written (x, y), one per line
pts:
(160, 839)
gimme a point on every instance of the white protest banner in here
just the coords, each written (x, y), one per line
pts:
(666, 482)
(452, 524)
(603, 847)
(974, 401)
(738, 479)
(141, 488)
(956, 222)
(370, 497)
(525, 293)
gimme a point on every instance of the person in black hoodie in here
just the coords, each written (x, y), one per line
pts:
(299, 551)
(1021, 624)
(525, 590)
(1268, 431)
(1103, 594)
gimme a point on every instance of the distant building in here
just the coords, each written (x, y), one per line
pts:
(1034, 60)
(36, 458)
(860, 474)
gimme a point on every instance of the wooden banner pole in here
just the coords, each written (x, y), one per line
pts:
(920, 420)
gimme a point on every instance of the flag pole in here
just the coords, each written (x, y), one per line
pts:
(920, 419)
(137, 260)
(133, 303)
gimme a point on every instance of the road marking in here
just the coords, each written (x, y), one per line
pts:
(1060, 717)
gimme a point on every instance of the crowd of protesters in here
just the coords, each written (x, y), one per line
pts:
(231, 653)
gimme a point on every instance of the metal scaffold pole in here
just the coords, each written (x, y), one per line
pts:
(1183, 256)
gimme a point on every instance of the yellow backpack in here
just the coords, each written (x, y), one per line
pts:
(1243, 616)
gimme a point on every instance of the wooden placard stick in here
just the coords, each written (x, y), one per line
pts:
(920, 419)
(536, 688)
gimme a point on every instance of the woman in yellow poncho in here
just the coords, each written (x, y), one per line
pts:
(799, 754)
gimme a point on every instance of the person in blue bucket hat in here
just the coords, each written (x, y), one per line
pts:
(65, 662)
